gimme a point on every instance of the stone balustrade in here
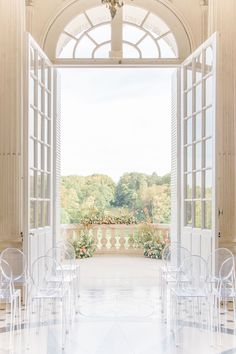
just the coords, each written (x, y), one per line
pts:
(112, 239)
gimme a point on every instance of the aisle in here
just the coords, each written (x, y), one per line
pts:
(119, 314)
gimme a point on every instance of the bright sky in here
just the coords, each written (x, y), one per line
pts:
(116, 121)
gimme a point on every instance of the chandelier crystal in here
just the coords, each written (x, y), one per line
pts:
(113, 6)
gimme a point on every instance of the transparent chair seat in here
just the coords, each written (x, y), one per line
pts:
(68, 278)
(4, 295)
(189, 292)
(50, 293)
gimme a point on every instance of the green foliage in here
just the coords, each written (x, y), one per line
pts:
(85, 245)
(96, 199)
(82, 196)
(153, 249)
(104, 219)
(147, 196)
(150, 240)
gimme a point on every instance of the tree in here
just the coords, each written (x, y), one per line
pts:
(146, 197)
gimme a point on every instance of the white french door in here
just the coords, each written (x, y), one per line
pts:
(198, 145)
(38, 153)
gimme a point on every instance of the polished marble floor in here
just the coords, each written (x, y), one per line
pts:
(119, 313)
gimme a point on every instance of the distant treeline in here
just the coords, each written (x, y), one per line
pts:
(136, 197)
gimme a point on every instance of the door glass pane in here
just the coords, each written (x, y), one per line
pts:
(46, 131)
(46, 104)
(208, 122)
(198, 185)
(208, 214)
(39, 98)
(198, 156)
(39, 213)
(32, 215)
(39, 67)
(198, 214)
(189, 131)
(189, 103)
(39, 185)
(44, 213)
(32, 162)
(42, 70)
(45, 158)
(39, 133)
(188, 213)
(209, 92)
(39, 155)
(31, 122)
(189, 158)
(47, 214)
(46, 193)
(32, 184)
(208, 153)
(189, 186)
(31, 91)
(198, 127)
(32, 61)
(208, 60)
(47, 75)
(198, 97)
(189, 74)
(48, 165)
(208, 184)
(198, 68)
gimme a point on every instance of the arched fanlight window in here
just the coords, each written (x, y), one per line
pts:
(142, 35)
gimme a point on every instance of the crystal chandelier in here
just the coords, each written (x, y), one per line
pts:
(113, 6)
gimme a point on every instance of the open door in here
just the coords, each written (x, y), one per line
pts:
(38, 153)
(198, 146)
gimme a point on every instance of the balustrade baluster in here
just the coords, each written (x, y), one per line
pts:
(122, 241)
(95, 237)
(104, 239)
(113, 240)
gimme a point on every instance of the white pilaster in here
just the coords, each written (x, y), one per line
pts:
(29, 15)
(12, 14)
(222, 15)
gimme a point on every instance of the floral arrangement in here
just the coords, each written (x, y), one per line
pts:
(150, 240)
(153, 249)
(84, 245)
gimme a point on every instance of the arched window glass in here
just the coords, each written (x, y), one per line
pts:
(144, 35)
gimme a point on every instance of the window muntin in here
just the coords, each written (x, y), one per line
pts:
(198, 140)
(144, 35)
(39, 140)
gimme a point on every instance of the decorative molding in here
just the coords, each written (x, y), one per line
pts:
(203, 2)
(29, 2)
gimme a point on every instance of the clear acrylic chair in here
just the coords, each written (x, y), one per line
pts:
(10, 296)
(45, 293)
(74, 267)
(17, 261)
(222, 291)
(66, 259)
(190, 297)
(163, 269)
(214, 264)
(172, 264)
(69, 248)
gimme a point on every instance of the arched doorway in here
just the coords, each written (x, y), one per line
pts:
(147, 36)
